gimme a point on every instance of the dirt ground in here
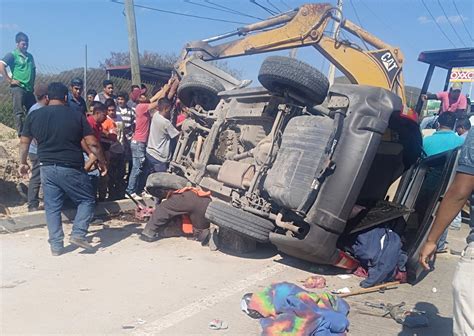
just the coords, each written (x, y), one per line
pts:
(13, 188)
(175, 287)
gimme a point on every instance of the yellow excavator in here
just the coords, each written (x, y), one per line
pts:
(376, 63)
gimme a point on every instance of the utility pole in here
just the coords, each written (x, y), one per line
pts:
(85, 71)
(133, 42)
(335, 35)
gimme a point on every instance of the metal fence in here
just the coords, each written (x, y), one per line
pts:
(46, 74)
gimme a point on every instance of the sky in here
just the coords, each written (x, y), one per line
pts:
(60, 29)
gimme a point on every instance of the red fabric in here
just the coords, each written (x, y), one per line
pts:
(96, 128)
(142, 123)
(361, 272)
(450, 105)
(187, 225)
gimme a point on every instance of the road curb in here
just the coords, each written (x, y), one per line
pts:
(29, 220)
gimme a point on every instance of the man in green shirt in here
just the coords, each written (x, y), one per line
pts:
(22, 81)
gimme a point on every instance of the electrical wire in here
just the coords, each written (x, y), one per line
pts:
(230, 10)
(386, 26)
(268, 10)
(451, 24)
(356, 13)
(439, 27)
(285, 4)
(462, 20)
(182, 14)
(274, 6)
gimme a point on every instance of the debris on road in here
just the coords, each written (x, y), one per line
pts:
(344, 276)
(411, 318)
(343, 290)
(314, 281)
(378, 288)
(217, 324)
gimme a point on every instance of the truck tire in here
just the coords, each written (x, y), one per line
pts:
(244, 223)
(157, 182)
(199, 89)
(279, 73)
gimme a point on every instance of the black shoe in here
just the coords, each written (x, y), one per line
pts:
(81, 242)
(56, 252)
(147, 238)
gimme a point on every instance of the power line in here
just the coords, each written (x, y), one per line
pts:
(268, 10)
(451, 24)
(360, 23)
(274, 6)
(182, 14)
(385, 25)
(230, 10)
(285, 4)
(462, 20)
(437, 24)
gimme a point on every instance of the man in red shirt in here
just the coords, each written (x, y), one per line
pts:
(136, 181)
(99, 114)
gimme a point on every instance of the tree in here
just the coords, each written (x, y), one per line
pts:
(157, 60)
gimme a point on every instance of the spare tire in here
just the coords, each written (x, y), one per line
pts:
(200, 89)
(157, 182)
(279, 74)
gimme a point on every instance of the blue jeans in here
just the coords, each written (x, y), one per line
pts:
(135, 182)
(153, 165)
(59, 182)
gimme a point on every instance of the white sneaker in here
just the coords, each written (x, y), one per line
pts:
(145, 194)
(136, 197)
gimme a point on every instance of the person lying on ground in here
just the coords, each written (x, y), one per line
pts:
(187, 205)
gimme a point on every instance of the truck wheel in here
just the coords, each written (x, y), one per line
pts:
(158, 182)
(279, 73)
(199, 89)
(244, 223)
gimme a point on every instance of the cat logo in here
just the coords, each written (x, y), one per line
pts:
(388, 61)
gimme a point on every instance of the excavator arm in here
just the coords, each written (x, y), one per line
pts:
(380, 65)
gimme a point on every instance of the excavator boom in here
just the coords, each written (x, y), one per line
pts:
(379, 64)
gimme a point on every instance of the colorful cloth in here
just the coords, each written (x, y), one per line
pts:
(290, 310)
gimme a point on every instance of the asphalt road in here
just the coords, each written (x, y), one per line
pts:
(175, 287)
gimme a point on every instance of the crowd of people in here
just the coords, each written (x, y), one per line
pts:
(86, 150)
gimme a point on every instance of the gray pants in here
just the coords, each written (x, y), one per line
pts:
(463, 294)
(22, 101)
(35, 182)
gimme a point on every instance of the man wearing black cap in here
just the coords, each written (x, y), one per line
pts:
(74, 97)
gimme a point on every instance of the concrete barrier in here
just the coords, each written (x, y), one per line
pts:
(29, 220)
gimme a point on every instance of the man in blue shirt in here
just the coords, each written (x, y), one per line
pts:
(442, 140)
(74, 97)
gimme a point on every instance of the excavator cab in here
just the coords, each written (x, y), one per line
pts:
(446, 59)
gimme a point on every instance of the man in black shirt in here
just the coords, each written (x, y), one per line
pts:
(74, 98)
(59, 131)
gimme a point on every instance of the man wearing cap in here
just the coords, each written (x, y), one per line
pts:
(451, 101)
(74, 97)
(22, 81)
(41, 93)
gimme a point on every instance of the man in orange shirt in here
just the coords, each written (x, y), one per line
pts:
(187, 203)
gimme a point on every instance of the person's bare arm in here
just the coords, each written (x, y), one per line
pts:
(3, 72)
(160, 94)
(24, 168)
(453, 201)
(96, 149)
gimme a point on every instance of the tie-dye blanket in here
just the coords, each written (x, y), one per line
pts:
(290, 310)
